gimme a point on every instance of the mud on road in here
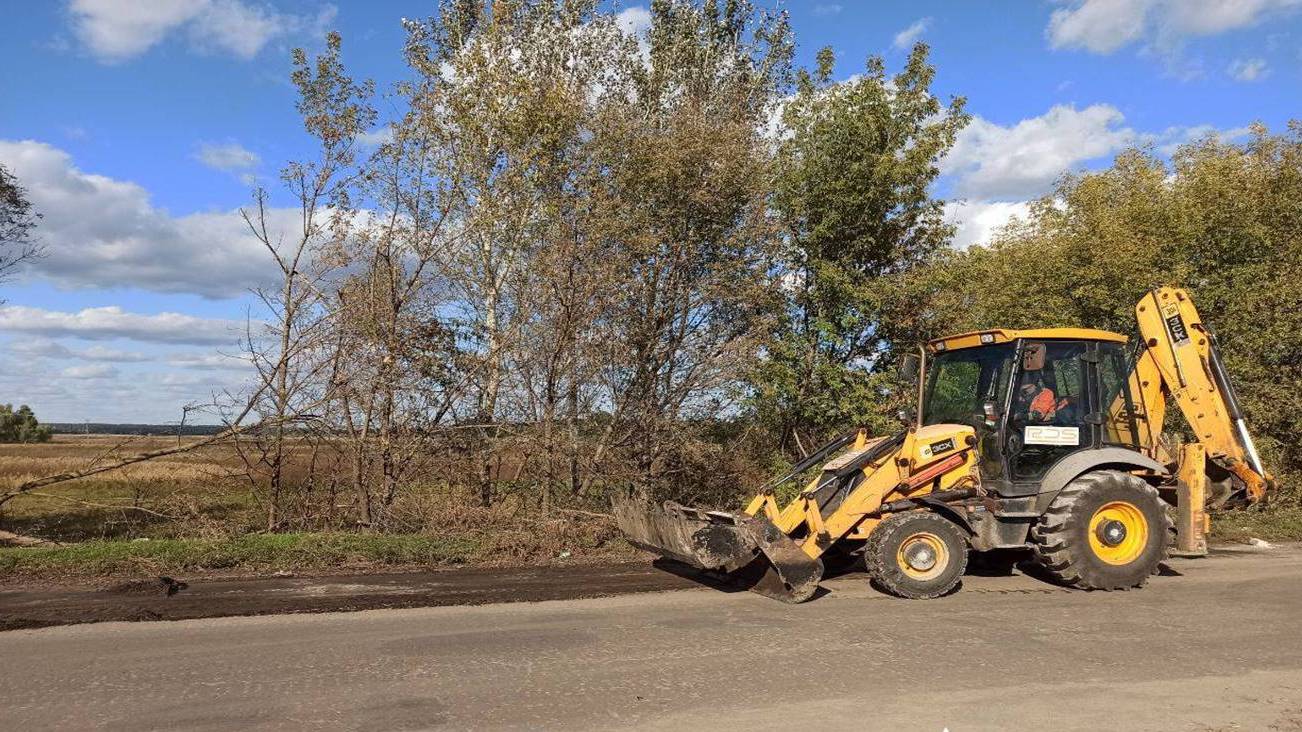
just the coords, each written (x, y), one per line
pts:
(163, 598)
(155, 598)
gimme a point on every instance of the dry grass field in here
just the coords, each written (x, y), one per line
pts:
(189, 493)
(196, 512)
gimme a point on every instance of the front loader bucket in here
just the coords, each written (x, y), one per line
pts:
(749, 549)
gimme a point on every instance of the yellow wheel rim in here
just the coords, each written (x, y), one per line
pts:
(922, 556)
(1118, 533)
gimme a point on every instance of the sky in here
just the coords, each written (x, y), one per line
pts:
(139, 128)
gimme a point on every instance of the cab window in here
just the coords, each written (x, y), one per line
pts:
(962, 383)
(1115, 400)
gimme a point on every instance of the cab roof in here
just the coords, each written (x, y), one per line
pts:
(1005, 335)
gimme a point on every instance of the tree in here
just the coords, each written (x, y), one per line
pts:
(17, 221)
(21, 425)
(685, 226)
(503, 95)
(607, 254)
(335, 110)
(854, 171)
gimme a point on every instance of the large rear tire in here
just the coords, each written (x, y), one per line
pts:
(1106, 530)
(917, 555)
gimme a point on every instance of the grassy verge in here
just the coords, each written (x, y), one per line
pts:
(1279, 524)
(253, 554)
(263, 554)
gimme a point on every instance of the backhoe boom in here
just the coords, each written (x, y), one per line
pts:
(1181, 360)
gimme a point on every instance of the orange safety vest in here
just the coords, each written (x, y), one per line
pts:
(1044, 403)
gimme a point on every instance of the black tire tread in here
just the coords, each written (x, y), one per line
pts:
(883, 569)
(1051, 536)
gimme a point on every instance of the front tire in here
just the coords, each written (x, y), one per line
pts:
(1106, 530)
(917, 555)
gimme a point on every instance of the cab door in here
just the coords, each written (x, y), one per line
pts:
(1049, 407)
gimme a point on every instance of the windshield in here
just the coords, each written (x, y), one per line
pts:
(961, 383)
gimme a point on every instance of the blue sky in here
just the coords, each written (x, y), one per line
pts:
(140, 126)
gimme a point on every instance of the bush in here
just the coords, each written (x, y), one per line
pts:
(21, 425)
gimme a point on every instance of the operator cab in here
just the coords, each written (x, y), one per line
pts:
(1033, 397)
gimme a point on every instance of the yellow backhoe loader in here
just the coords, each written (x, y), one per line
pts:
(1047, 439)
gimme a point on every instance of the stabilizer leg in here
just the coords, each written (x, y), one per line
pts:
(1191, 520)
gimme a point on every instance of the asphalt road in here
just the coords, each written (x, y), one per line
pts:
(1217, 647)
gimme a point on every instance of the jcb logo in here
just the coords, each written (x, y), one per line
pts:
(1175, 324)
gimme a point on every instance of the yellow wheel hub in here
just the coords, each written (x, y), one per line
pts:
(922, 556)
(1118, 533)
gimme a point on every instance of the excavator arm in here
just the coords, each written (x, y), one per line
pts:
(1180, 361)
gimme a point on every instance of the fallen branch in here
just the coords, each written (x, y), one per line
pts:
(92, 504)
(593, 514)
(9, 537)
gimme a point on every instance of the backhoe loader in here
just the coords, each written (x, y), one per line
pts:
(1046, 439)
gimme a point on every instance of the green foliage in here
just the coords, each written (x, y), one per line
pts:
(261, 552)
(852, 191)
(21, 425)
(1222, 220)
(1280, 524)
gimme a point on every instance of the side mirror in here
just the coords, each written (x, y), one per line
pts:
(991, 414)
(909, 367)
(1033, 357)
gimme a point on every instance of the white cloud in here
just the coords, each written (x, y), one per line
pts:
(113, 322)
(209, 362)
(1248, 69)
(39, 348)
(89, 371)
(101, 232)
(1022, 161)
(1172, 138)
(229, 157)
(46, 348)
(824, 10)
(977, 221)
(99, 392)
(187, 381)
(379, 136)
(112, 355)
(229, 25)
(1001, 169)
(634, 21)
(1101, 26)
(905, 38)
(1104, 26)
(117, 30)
(114, 31)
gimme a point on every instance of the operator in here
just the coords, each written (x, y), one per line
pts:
(1038, 401)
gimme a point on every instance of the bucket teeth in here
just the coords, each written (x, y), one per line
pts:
(749, 549)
